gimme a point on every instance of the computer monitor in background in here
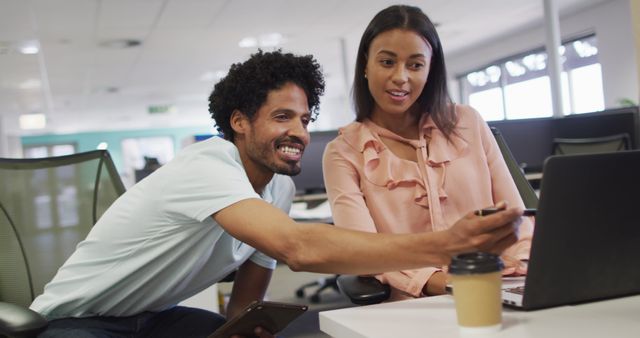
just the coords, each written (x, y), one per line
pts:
(600, 124)
(529, 140)
(310, 179)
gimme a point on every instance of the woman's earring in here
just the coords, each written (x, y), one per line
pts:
(365, 75)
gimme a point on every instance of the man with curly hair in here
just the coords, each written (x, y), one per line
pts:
(221, 205)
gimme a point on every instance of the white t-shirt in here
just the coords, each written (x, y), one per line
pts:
(158, 244)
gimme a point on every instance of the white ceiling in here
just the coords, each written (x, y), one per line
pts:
(81, 85)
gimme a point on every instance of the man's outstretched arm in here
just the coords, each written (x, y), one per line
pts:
(327, 249)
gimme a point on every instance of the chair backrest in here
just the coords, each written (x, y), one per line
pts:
(525, 189)
(47, 206)
(605, 144)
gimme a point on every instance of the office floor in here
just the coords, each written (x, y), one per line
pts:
(282, 289)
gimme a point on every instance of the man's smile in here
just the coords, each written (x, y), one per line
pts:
(291, 152)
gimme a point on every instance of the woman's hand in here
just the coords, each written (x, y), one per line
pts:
(513, 266)
(436, 284)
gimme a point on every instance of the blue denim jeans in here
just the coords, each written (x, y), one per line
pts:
(179, 321)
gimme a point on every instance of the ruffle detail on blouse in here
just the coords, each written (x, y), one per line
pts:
(442, 150)
(381, 170)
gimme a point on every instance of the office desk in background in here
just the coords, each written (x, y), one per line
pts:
(311, 208)
(537, 176)
(436, 317)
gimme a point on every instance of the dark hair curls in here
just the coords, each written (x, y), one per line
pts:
(247, 85)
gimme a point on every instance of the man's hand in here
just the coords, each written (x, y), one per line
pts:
(492, 233)
(259, 332)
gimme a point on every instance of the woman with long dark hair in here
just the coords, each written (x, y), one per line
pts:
(413, 161)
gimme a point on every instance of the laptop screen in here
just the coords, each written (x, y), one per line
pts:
(586, 243)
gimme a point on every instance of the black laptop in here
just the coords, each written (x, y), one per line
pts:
(586, 242)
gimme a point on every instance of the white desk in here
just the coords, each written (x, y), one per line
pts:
(436, 317)
(533, 176)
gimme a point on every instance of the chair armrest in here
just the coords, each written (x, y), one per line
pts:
(363, 290)
(18, 321)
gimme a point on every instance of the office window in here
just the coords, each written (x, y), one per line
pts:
(526, 99)
(48, 150)
(485, 92)
(519, 87)
(587, 87)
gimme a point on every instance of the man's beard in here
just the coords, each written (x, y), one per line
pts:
(265, 155)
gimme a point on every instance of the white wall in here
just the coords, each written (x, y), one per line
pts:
(10, 145)
(612, 23)
(334, 113)
(336, 109)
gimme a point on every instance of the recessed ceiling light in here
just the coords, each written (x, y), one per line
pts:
(213, 76)
(248, 42)
(30, 84)
(221, 73)
(29, 50)
(271, 40)
(120, 43)
(264, 40)
(27, 47)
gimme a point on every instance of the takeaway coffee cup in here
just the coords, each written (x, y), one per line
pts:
(476, 279)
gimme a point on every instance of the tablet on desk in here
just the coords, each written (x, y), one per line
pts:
(271, 316)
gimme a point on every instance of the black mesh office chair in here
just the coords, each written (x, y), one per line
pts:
(368, 290)
(568, 146)
(321, 284)
(47, 206)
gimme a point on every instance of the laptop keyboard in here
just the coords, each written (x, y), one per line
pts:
(517, 290)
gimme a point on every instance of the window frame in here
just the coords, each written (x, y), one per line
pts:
(466, 89)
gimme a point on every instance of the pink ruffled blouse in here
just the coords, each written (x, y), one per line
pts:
(371, 189)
